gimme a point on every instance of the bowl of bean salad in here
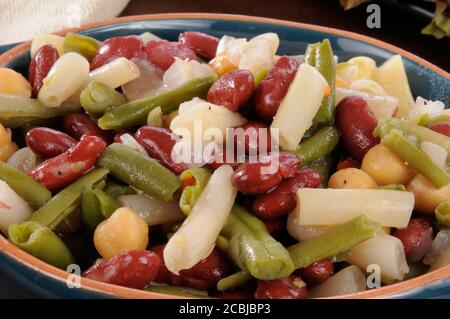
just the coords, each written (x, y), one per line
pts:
(215, 156)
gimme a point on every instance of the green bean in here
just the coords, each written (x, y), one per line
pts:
(394, 187)
(409, 128)
(96, 206)
(116, 189)
(222, 243)
(333, 242)
(176, 291)
(416, 158)
(31, 191)
(155, 117)
(437, 119)
(442, 213)
(21, 108)
(260, 75)
(136, 112)
(326, 65)
(66, 201)
(138, 170)
(42, 243)
(97, 97)
(90, 211)
(235, 280)
(84, 45)
(252, 247)
(323, 166)
(310, 54)
(319, 145)
(191, 193)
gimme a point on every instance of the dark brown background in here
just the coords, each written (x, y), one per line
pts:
(400, 22)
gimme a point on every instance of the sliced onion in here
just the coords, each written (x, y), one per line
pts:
(13, 209)
(147, 84)
(24, 160)
(302, 233)
(349, 280)
(440, 243)
(152, 210)
(381, 106)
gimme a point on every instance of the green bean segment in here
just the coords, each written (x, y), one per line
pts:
(155, 117)
(96, 206)
(319, 145)
(416, 158)
(409, 128)
(323, 166)
(442, 213)
(136, 112)
(233, 281)
(138, 170)
(16, 111)
(335, 241)
(84, 45)
(97, 97)
(252, 247)
(66, 201)
(191, 193)
(42, 243)
(31, 191)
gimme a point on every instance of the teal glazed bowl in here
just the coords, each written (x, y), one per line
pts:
(426, 80)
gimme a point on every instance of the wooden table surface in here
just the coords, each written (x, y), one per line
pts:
(400, 25)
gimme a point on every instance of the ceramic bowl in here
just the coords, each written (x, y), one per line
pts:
(426, 80)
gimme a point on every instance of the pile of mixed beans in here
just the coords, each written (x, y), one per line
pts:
(88, 175)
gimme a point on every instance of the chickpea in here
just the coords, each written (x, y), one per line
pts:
(125, 230)
(13, 83)
(427, 197)
(385, 167)
(7, 147)
(351, 178)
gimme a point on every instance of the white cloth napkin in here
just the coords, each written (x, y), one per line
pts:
(23, 19)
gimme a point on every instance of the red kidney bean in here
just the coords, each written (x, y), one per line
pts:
(289, 165)
(40, 65)
(291, 287)
(60, 171)
(347, 163)
(76, 125)
(203, 276)
(159, 142)
(234, 294)
(254, 178)
(274, 225)
(118, 47)
(281, 200)
(232, 90)
(250, 139)
(133, 269)
(317, 272)
(274, 87)
(416, 239)
(162, 53)
(47, 143)
(203, 44)
(356, 122)
(443, 128)
(250, 179)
